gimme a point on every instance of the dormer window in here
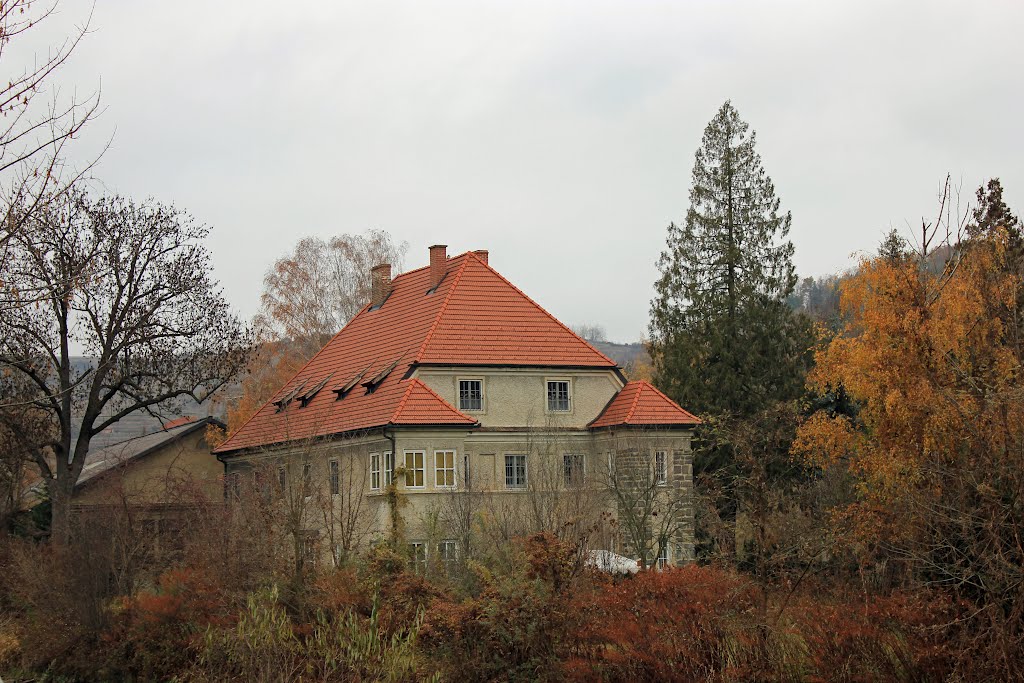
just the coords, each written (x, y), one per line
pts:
(471, 394)
(559, 396)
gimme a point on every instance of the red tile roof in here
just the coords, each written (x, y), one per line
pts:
(640, 404)
(474, 317)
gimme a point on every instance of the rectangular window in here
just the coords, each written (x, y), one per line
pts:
(448, 551)
(414, 469)
(558, 396)
(574, 465)
(307, 478)
(375, 471)
(335, 477)
(389, 468)
(465, 471)
(515, 471)
(444, 469)
(282, 481)
(418, 557)
(611, 466)
(662, 555)
(471, 394)
(660, 468)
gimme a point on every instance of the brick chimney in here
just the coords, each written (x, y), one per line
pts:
(438, 264)
(381, 284)
(481, 254)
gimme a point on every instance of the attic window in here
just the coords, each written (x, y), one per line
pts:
(283, 402)
(375, 381)
(343, 390)
(308, 396)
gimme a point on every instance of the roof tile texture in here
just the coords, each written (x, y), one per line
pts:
(640, 404)
(474, 317)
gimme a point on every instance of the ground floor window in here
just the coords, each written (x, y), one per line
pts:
(444, 469)
(515, 471)
(414, 469)
(662, 556)
(389, 468)
(375, 471)
(573, 465)
(418, 557)
(448, 551)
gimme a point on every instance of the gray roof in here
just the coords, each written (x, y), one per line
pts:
(105, 459)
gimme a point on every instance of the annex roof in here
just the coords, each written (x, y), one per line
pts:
(474, 317)
(103, 460)
(640, 404)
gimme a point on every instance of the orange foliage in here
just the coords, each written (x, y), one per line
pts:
(930, 362)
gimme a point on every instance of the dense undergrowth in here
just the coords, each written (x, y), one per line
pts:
(539, 616)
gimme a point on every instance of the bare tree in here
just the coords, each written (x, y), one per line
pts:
(129, 286)
(36, 129)
(653, 504)
(310, 294)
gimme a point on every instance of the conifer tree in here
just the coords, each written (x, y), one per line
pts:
(723, 339)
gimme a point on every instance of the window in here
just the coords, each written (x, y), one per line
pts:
(444, 469)
(389, 468)
(418, 557)
(448, 551)
(335, 476)
(471, 394)
(558, 395)
(611, 466)
(282, 481)
(515, 471)
(375, 471)
(465, 471)
(660, 468)
(414, 469)
(574, 469)
(662, 555)
(307, 478)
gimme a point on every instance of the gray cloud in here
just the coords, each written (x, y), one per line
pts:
(558, 135)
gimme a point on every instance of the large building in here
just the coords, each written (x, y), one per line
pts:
(453, 407)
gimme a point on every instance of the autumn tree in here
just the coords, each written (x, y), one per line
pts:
(931, 357)
(722, 337)
(127, 285)
(38, 122)
(308, 296)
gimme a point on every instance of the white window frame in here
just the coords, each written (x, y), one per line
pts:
(526, 472)
(448, 553)
(418, 564)
(410, 472)
(548, 381)
(483, 394)
(438, 483)
(388, 469)
(375, 473)
(663, 556)
(334, 476)
(661, 468)
(569, 463)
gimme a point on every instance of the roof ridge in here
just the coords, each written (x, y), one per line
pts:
(415, 382)
(541, 308)
(440, 312)
(405, 398)
(636, 400)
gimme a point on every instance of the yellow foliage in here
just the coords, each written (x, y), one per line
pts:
(933, 366)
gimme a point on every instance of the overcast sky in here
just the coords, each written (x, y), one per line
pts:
(558, 135)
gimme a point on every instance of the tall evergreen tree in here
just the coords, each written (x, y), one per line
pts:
(723, 339)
